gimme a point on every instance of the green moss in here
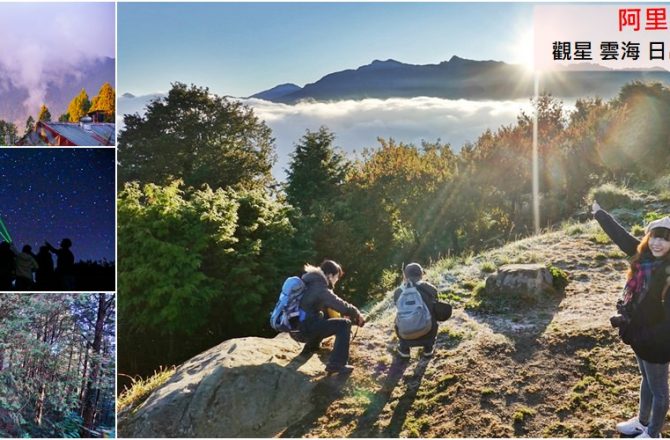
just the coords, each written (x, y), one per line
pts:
(600, 237)
(450, 297)
(415, 428)
(487, 392)
(616, 254)
(560, 278)
(559, 430)
(522, 414)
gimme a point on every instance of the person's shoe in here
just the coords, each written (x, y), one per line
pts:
(428, 353)
(403, 354)
(631, 427)
(645, 434)
(344, 369)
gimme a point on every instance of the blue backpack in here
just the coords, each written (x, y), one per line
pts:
(287, 312)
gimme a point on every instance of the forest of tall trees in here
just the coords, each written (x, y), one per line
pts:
(57, 365)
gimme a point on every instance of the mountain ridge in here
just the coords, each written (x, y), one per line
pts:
(457, 78)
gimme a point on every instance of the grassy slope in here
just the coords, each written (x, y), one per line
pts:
(554, 369)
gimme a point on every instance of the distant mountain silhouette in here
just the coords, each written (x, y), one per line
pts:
(90, 77)
(458, 78)
(277, 92)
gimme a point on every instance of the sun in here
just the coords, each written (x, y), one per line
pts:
(521, 49)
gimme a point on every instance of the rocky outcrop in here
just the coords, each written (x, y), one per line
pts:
(521, 280)
(250, 387)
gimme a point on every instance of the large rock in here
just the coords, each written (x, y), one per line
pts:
(251, 387)
(520, 280)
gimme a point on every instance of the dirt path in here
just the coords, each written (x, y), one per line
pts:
(551, 370)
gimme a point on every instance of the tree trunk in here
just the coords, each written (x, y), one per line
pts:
(88, 412)
(83, 379)
(39, 409)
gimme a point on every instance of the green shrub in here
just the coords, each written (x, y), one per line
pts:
(662, 187)
(611, 196)
(560, 278)
(627, 216)
(652, 215)
(487, 267)
(600, 237)
(637, 230)
(479, 288)
(572, 229)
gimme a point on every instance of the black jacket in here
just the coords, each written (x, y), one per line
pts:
(318, 296)
(649, 328)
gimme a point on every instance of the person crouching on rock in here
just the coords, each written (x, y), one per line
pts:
(644, 317)
(318, 296)
(412, 278)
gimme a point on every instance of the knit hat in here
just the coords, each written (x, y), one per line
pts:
(660, 223)
(413, 271)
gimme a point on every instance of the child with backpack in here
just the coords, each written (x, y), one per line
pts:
(415, 322)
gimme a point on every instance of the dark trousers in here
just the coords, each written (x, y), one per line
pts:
(426, 341)
(315, 330)
(23, 283)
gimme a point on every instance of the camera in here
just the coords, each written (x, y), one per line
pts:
(622, 318)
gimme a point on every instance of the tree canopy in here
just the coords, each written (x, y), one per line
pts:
(44, 114)
(105, 101)
(198, 137)
(78, 107)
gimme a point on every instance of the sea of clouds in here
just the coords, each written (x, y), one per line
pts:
(358, 124)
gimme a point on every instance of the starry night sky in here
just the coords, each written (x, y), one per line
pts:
(53, 193)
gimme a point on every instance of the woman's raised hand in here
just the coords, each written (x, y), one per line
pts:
(595, 207)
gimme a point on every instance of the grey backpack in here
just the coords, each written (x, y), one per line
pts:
(413, 317)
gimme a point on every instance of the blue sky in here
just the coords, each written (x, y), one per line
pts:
(242, 48)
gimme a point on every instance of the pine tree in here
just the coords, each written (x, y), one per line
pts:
(44, 115)
(79, 106)
(105, 101)
(30, 125)
(316, 171)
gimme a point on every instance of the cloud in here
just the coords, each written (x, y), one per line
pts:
(358, 124)
(43, 43)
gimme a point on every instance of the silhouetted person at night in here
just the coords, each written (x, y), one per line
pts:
(25, 266)
(6, 266)
(45, 277)
(64, 264)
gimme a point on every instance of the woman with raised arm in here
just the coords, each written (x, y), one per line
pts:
(644, 317)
